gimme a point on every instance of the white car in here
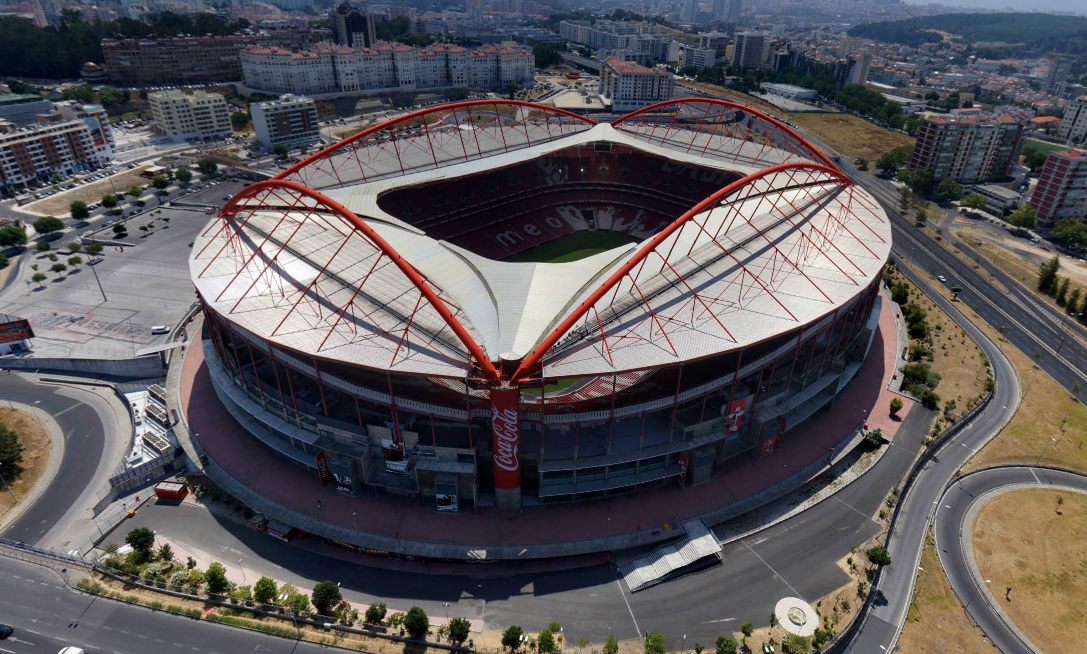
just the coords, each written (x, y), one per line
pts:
(943, 280)
(72, 650)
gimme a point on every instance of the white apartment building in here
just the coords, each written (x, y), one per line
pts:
(699, 57)
(196, 116)
(1074, 123)
(628, 86)
(388, 66)
(289, 121)
(73, 138)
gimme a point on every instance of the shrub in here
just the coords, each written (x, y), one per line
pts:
(326, 595)
(264, 591)
(896, 405)
(545, 642)
(511, 639)
(375, 613)
(458, 630)
(878, 555)
(416, 622)
(41, 246)
(727, 645)
(216, 578)
(654, 643)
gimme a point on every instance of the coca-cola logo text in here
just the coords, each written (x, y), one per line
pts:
(504, 424)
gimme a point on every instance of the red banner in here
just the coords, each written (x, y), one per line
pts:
(506, 436)
(735, 416)
(322, 468)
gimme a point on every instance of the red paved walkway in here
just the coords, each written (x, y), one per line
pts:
(259, 467)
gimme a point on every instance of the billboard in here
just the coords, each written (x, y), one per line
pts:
(322, 467)
(15, 330)
(505, 437)
(734, 415)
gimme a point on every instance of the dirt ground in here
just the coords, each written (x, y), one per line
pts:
(936, 618)
(729, 94)
(1047, 572)
(851, 135)
(58, 205)
(36, 448)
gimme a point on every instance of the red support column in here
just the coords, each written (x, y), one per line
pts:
(506, 446)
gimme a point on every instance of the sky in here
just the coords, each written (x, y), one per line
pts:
(1071, 6)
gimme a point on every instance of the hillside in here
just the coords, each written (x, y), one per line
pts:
(1043, 32)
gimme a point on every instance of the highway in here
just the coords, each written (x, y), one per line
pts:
(49, 615)
(955, 519)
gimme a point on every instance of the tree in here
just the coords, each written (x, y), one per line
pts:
(948, 189)
(416, 622)
(207, 167)
(111, 96)
(134, 191)
(458, 630)
(545, 642)
(1073, 301)
(165, 553)
(74, 261)
(74, 247)
(38, 278)
(216, 578)
(726, 645)
(511, 638)
(891, 161)
(48, 224)
(183, 175)
(747, 629)
(1069, 232)
(375, 613)
(94, 249)
(160, 182)
(11, 236)
(279, 150)
(896, 406)
(119, 228)
(904, 199)
(239, 120)
(611, 645)
(654, 643)
(264, 591)
(1023, 217)
(326, 595)
(878, 555)
(109, 200)
(11, 452)
(1047, 275)
(296, 601)
(1062, 292)
(1034, 159)
(142, 540)
(922, 217)
(919, 180)
(81, 93)
(975, 201)
(79, 210)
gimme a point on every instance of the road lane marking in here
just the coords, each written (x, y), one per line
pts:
(622, 593)
(1036, 480)
(795, 594)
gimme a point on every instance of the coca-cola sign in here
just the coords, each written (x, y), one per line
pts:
(506, 436)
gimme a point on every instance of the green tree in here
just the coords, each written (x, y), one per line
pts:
(11, 236)
(142, 540)
(326, 595)
(279, 150)
(264, 591)
(74, 246)
(296, 601)
(896, 405)
(1062, 292)
(545, 642)
(109, 200)
(1023, 217)
(948, 189)
(1073, 301)
(79, 210)
(160, 182)
(119, 228)
(747, 629)
(239, 120)
(726, 645)
(793, 644)
(1069, 232)
(654, 643)
(112, 97)
(511, 638)
(975, 201)
(904, 199)
(38, 278)
(165, 553)
(48, 225)
(458, 630)
(11, 452)
(207, 167)
(611, 645)
(1034, 159)
(919, 180)
(183, 175)
(80, 93)
(891, 161)
(878, 555)
(134, 191)
(416, 622)
(94, 249)
(922, 217)
(216, 578)
(1047, 275)
(375, 613)
(74, 261)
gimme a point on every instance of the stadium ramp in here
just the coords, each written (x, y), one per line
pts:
(696, 549)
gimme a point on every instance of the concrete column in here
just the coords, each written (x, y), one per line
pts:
(506, 446)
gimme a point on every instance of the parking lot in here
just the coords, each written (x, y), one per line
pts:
(107, 309)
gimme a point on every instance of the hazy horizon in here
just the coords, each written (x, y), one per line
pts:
(1045, 6)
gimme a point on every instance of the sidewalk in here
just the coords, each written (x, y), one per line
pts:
(411, 525)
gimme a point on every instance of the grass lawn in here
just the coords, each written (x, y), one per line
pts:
(59, 205)
(1045, 147)
(851, 135)
(573, 247)
(36, 448)
(1047, 571)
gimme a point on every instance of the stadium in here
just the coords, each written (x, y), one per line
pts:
(497, 303)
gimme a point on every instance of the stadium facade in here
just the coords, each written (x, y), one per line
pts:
(495, 302)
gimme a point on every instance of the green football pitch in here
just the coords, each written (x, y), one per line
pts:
(573, 247)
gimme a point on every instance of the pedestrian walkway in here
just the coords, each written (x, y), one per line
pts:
(667, 561)
(412, 526)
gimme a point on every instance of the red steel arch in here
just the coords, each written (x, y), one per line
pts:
(360, 226)
(534, 358)
(408, 117)
(822, 158)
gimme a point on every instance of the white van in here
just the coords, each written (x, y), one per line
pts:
(160, 329)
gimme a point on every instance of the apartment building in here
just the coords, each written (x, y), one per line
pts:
(1074, 122)
(181, 60)
(628, 86)
(70, 139)
(968, 149)
(1061, 191)
(388, 66)
(290, 121)
(352, 27)
(751, 50)
(195, 116)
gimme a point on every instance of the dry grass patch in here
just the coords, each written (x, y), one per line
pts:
(36, 447)
(851, 135)
(728, 94)
(936, 621)
(1047, 573)
(60, 204)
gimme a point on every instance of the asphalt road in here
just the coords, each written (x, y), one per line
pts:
(883, 623)
(84, 446)
(954, 518)
(48, 616)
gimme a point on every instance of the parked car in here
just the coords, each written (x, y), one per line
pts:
(5, 631)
